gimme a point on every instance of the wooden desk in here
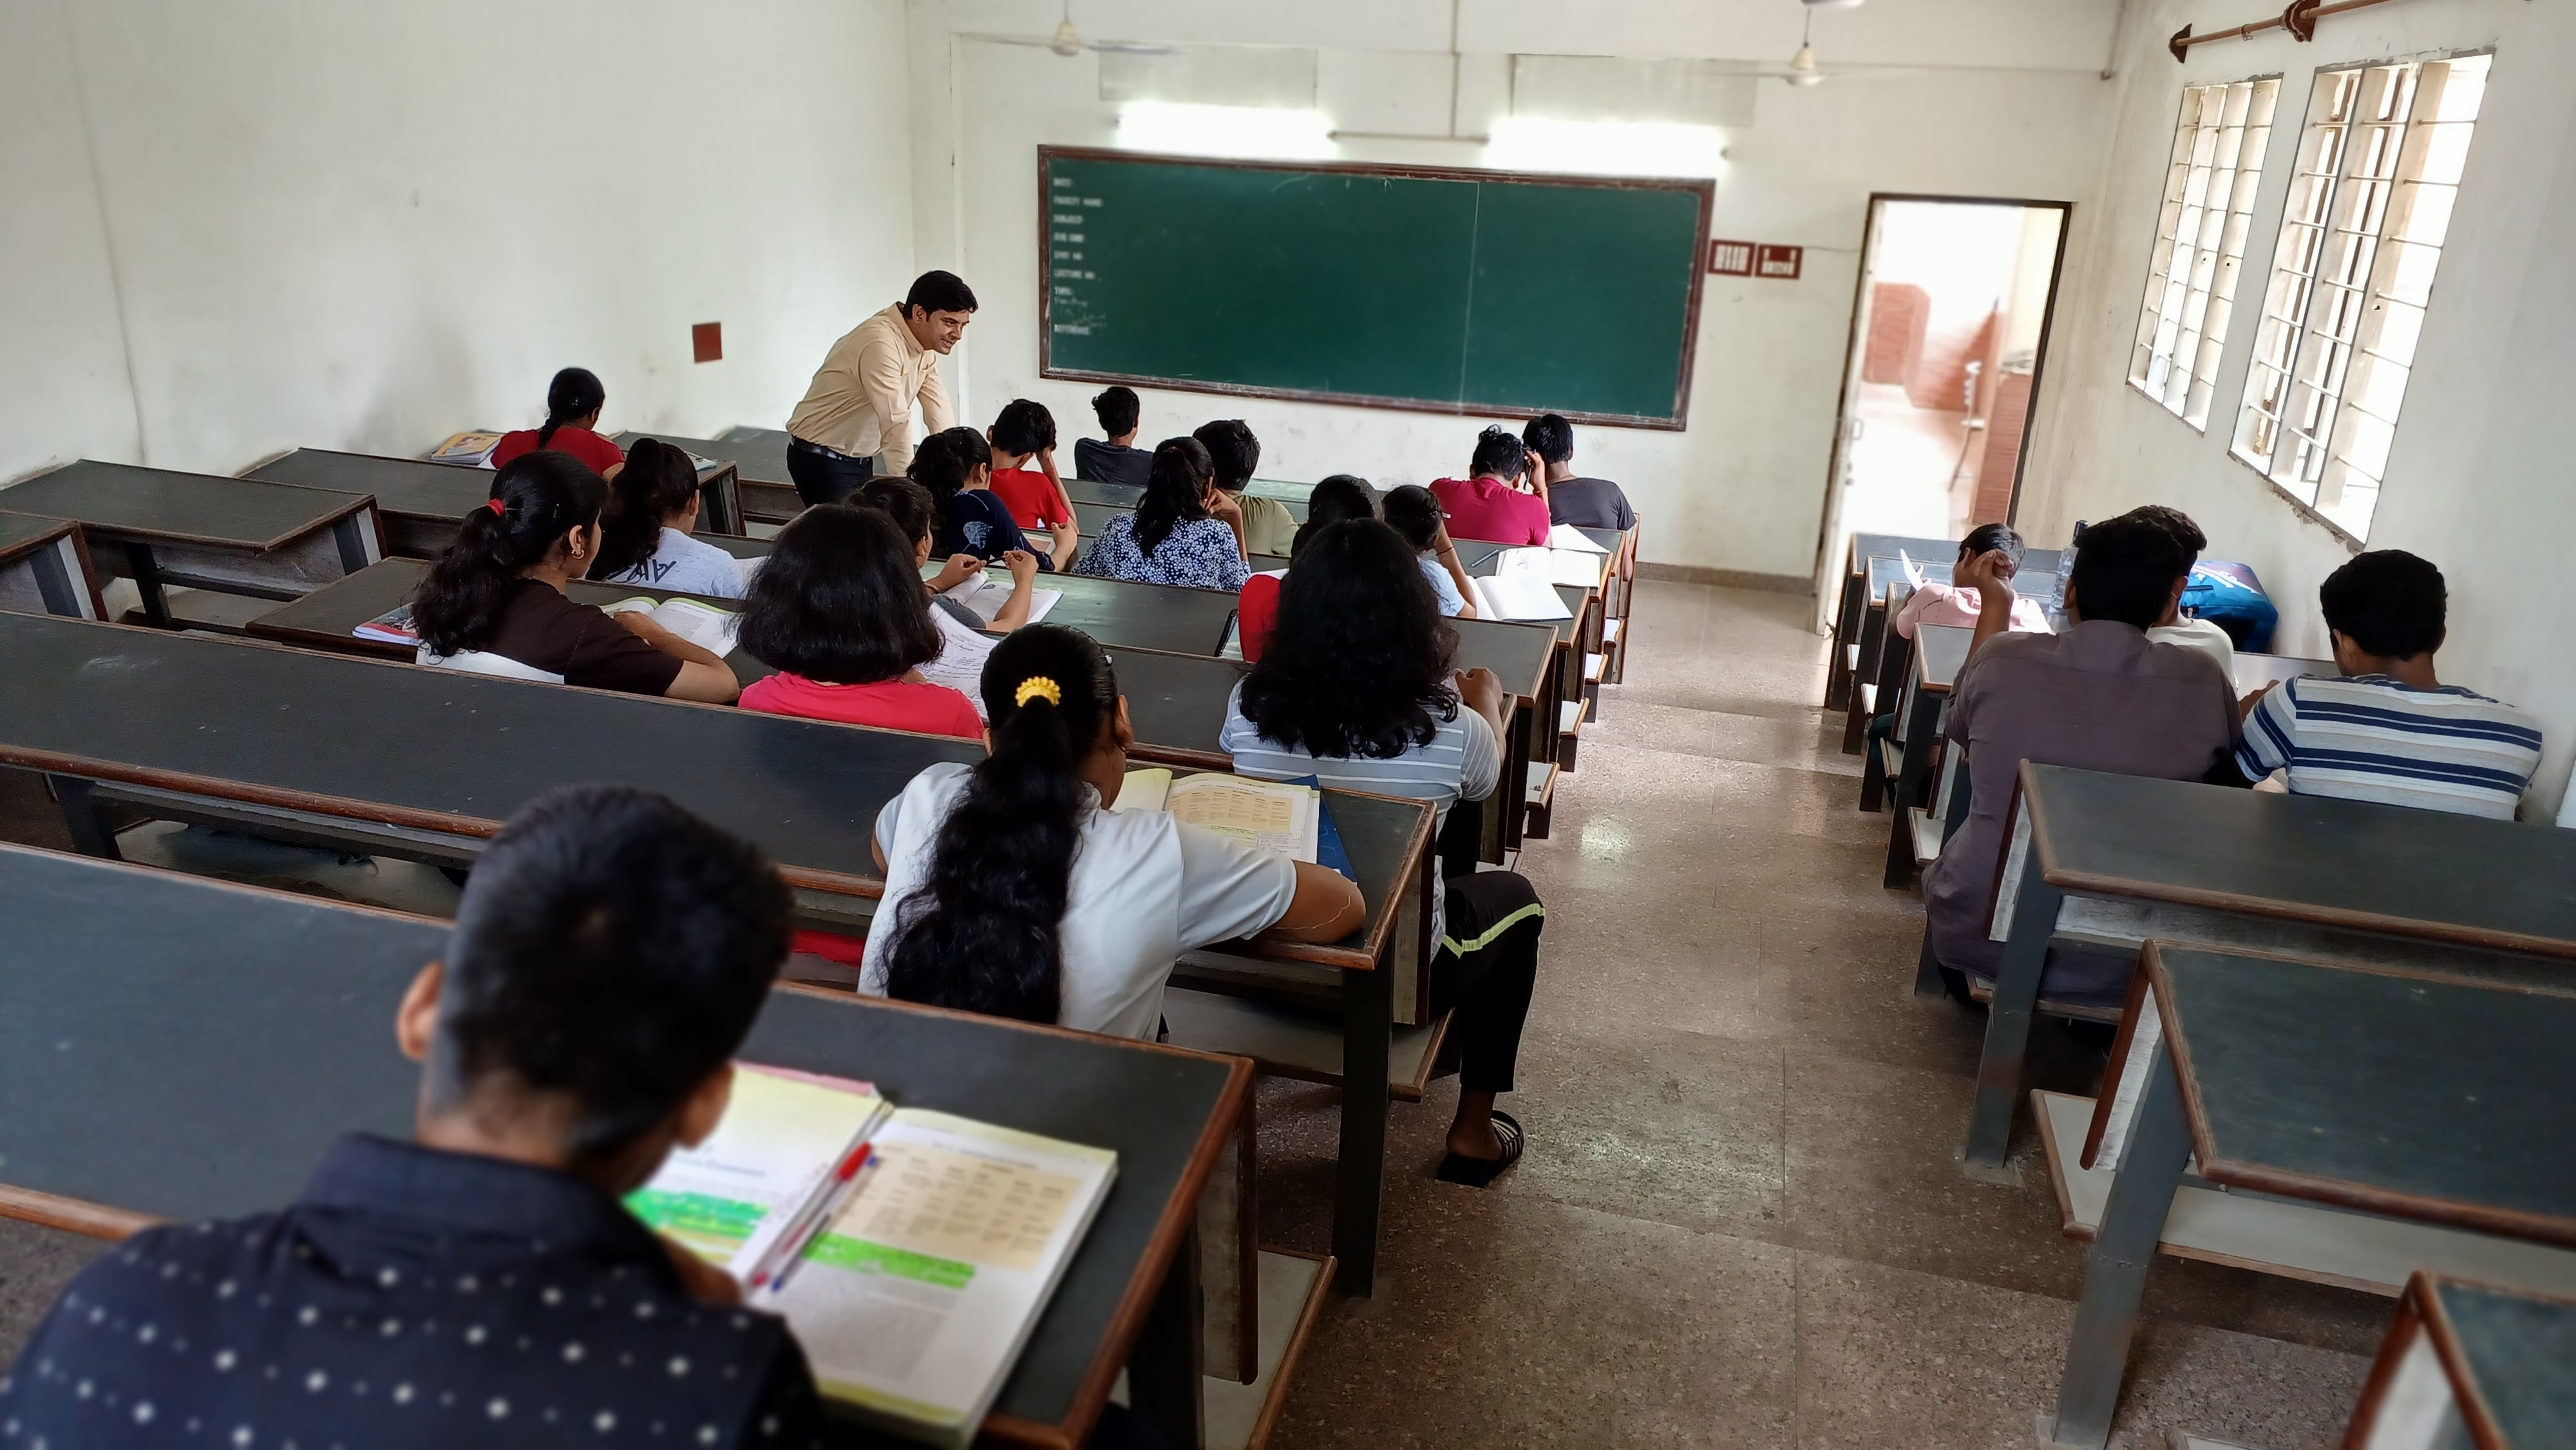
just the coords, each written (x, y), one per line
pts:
(752, 475)
(425, 764)
(2468, 1364)
(766, 437)
(1116, 612)
(45, 568)
(160, 1058)
(2418, 1098)
(422, 503)
(204, 531)
(2107, 861)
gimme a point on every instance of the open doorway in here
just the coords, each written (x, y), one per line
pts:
(1943, 372)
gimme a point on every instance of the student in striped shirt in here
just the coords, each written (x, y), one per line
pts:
(1355, 688)
(2388, 730)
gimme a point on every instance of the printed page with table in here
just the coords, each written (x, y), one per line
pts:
(912, 1251)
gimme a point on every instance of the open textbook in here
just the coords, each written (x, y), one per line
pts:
(1285, 817)
(1523, 598)
(986, 595)
(703, 625)
(911, 1251)
(1578, 567)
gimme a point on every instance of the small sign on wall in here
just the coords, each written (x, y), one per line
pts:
(1756, 259)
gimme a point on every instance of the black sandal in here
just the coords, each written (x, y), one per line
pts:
(1478, 1172)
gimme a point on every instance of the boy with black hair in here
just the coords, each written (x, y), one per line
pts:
(482, 1284)
(2100, 696)
(1268, 527)
(1025, 431)
(1585, 503)
(2200, 634)
(2388, 730)
(1118, 459)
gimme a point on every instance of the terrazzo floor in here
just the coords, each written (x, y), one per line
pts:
(1739, 1223)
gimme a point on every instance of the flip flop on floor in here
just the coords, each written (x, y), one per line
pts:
(1478, 1172)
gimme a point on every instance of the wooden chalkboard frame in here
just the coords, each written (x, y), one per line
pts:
(1677, 421)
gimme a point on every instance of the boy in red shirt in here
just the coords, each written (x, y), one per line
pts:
(1035, 496)
(1489, 504)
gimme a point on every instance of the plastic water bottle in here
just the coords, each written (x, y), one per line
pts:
(2065, 571)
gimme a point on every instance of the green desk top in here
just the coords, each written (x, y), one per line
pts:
(413, 487)
(755, 460)
(26, 533)
(2519, 1349)
(119, 500)
(2427, 875)
(2445, 1101)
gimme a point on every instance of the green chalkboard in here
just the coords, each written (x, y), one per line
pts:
(1410, 287)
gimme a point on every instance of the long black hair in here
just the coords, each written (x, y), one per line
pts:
(1358, 663)
(611, 950)
(1175, 491)
(1340, 497)
(983, 934)
(839, 600)
(543, 496)
(575, 393)
(655, 486)
(1499, 455)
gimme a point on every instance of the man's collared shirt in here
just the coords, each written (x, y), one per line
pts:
(412, 1297)
(860, 402)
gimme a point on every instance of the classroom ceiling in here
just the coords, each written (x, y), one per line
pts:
(2011, 34)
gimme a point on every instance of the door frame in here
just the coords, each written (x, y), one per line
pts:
(1828, 569)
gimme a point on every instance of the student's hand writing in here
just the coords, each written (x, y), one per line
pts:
(1022, 564)
(701, 1280)
(1482, 691)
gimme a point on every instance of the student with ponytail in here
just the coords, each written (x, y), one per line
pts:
(1357, 689)
(956, 465)
(494, 601)
(1012, 889)
(1185, 531)
(644, 534)
(573, 401)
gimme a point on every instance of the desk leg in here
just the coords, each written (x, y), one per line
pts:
(1367, 1008)
(54, 585)
(82, 817)
(2008, 1019)
(1838, 677)
(147, 582)
(1922, 726)
(1873, 637)
(1163, 1366)
(2115, 1276)
(724, 502)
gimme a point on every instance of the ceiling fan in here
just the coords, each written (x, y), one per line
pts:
(1804, 70)
(1069, 42)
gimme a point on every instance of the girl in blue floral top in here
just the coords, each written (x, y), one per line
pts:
(1184, 531)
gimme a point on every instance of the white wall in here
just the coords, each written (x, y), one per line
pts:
(1743, 488)
(2478, 480)
(366, 226)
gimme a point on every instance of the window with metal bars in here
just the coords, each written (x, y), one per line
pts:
(2370, 204)
(2217, 161)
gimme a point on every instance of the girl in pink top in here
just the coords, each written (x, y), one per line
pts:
(838, 610)
(1488, 505)
(1934, 602)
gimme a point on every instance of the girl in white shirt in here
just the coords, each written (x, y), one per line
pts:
(1012, 889)
(644, 534)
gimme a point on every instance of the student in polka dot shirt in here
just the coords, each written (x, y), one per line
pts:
(480, 1285)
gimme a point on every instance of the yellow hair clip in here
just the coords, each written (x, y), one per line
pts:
(1037, 687)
